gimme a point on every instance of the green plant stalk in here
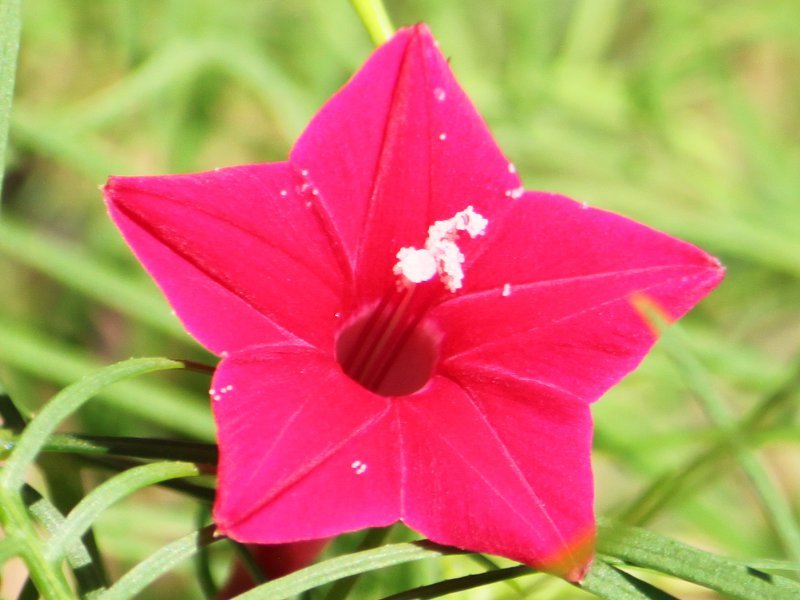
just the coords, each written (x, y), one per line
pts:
(10, 26)
(375, 19)
(48, 578)
(130, 447)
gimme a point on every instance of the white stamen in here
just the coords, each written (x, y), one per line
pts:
(415, 265)
(441, 253)
(506, 290)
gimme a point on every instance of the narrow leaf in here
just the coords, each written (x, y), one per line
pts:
(159, 563)
(346, 566)
(460, 584)
(649, 550)
(64, 404)
(113, 490)
(10, 24)
(87, 575)
(607, 581)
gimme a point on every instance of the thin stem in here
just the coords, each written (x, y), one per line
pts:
(375, 19)
(131, 447)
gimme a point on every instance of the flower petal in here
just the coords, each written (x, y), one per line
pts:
(305, 452)
(240, 255)
(399, 147)
(549, 297)
(500, 468)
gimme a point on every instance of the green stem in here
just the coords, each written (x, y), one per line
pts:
(375, 19)
(132, 447)
(10, 24)
(47, 577)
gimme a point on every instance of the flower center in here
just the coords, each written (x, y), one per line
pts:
(387, 349)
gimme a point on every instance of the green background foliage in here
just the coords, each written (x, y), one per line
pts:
(683, 115)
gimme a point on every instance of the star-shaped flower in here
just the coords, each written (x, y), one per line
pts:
(405, 332)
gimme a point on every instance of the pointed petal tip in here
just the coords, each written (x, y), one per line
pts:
(572, 562)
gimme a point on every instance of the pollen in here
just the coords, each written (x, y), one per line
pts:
(415, 265)
(441, 254)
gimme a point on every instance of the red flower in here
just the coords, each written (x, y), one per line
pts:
(406, 333)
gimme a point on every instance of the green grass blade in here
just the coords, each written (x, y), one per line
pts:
(34, 353)
(461, 584)
(10, 25)
(345, 566)
(159, 563)
(606, 581)
(646, 549)
(97, 281)
(64, 404)
(88, 575)
(110, 492)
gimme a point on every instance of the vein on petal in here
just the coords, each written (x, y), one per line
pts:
(334, 237)
(401, 451)
(329, 282)
(492, 343)
(517, 470)
(478, 472)
(495, 291)
(359, 258)
(494, 372)
(308, 468)
(290, 336)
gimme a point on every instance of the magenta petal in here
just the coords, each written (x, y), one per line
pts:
(500, 467)
(405, 147)
(304, 451)
(549, 298)
(240, 255)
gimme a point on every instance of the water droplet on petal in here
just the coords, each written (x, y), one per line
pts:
(439, 94)
(506, 290)
(511, 168)
(584, 205)
(284, 193)
(442, 136)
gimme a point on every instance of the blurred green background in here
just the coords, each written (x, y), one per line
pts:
(684, 115)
